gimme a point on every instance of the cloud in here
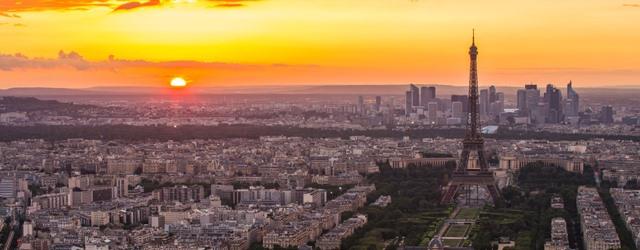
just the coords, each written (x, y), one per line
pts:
(631, 5)
(10, 6)
(135, 5)
(230, 3)
(20, 61)
(76, 61)
(568, 71)
(9, 15)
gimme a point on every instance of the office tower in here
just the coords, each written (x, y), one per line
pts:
(572, 106)
(427, 94)
(464, 99)
(498, 105)
(378, 103)
(606, 114)
(408, 101)
(492, 94)
(484, 101)
(553, 99)
(361, 104)
(533, 96)
(415, 95)
(457, 110)
(527, 100)
(433, 112)
(473, 170)
(521, 100)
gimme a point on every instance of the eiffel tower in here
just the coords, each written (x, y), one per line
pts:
(473, 169)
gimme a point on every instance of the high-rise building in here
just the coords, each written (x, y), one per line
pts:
(407, 105)
(499, 97)
(521, 100)
(427, 94)
(433, 112)
(572, 103)
(553, 99)
(464, 99)
(361, 104)
(528, 101)
(484, 102)
(457, 109)
(492, 94)
(533, 96)
(415, 95)
(606, 114)
(378, 103)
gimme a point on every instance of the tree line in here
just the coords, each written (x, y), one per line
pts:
(188, 132)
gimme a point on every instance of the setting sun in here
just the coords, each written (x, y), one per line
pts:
(178, 82)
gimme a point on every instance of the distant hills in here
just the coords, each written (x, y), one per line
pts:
(395, 89)
(296, 89)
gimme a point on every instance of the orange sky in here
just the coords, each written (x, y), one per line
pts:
(83, 43)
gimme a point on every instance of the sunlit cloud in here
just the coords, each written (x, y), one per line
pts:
(76, 61)
(9, 8)
(2, 14)
(41, 5)
(135, 5)
(230, 3)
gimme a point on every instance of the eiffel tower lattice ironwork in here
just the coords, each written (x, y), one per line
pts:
(473, 169)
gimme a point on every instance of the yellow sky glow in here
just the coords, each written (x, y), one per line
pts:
(592, 42)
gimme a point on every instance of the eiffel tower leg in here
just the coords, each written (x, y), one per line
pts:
(468, 194)
(464, 161)
(482, 160)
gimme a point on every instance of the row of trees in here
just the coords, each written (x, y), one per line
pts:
(141, 133)
(415, 209)
(526, 214)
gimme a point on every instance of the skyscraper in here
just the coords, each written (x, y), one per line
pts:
(408, 107)
(492, 94)
(464, 99)
(433, 112)
(378, 103)
(484, 101)
(415, 95)
(456, 109)
(521, 100)
(427, 94)
(533, 96)
(553, 99)
(606, 114)
(572, 103)
(361, 104)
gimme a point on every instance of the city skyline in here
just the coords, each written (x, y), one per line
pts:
(81, 43)
(324, 125)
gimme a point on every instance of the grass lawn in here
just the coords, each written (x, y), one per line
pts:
(451, 242)
(467, 213)
(457, 230)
